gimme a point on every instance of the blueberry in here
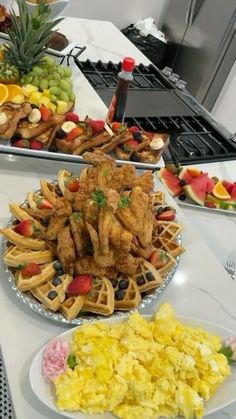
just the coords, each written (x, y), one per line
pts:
(60, 134)
(114, 282)
(140, 280)
(133, 157)
(137, 136)
(59, 192)
(182, 197)
(150, 276)
(119, 294)
(160, 210)
(52, 295)
(53, 149)
(168, 209)
(45, 222)
(56, 281)
(123, 284)
(57, 265)
(34, 106)
(182, 182)
(60, 272)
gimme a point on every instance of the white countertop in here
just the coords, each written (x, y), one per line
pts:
(201, 288)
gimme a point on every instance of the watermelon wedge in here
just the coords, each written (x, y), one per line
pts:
(233, 193)
(184, 175)
(197, 189)
(170, 181)
(228, 186)
(210, 185)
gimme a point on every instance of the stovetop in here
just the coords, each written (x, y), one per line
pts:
(156, 104)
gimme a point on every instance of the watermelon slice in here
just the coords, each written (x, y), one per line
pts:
(170, 181)
(233, 192)
(210, 185)
(184, 175)
(197, 189)
(228, 186)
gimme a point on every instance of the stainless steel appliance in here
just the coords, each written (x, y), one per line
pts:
(202, 44)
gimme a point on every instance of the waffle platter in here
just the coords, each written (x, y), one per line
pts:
(101, 225)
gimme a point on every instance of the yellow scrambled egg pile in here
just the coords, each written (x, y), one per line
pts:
(142, 369)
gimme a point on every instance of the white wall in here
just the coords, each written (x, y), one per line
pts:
(224, 109)
(121, 12)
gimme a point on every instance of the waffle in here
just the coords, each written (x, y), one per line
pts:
(168, 266)
(48, 191)
(61, 177)
(101, 298)
(22, 241)
(21, 215)
(50, 294)
(26, 284)
(174, 249)
(169, 230)
(147, 277)
(132, 296)
(72, 306)
(158, 198)
(15, 256)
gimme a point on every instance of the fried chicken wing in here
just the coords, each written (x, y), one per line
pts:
(132, 217)
(127, 263)
(100, 259)
(66, 250)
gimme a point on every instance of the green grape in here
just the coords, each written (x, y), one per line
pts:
(37, 70)
(53, 98)
(48, 61)
(54, 90)
(60, 71)
(67, 72)
(55, 76)
(52, 83)
(43, 84)
(65, 86)
(72, 97)
(70, 82)
(64, 96)
(35, 81)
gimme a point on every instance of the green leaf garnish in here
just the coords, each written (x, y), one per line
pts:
(99, 198)
(226, 351)
(106, 172)
(71, 361)
(124, 202)
(21, 266)
(78, 216)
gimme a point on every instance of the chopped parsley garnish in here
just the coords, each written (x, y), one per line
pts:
(106, 172)
(78, 216)
(99, 198)
(124, 202)
(71, 361)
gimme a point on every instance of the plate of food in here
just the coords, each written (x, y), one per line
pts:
(94, 244)
(194, 188)
(141, 366)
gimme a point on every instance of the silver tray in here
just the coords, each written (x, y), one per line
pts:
(31, 302)
(191, 205)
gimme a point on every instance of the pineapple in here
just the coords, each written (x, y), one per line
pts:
(29, 35)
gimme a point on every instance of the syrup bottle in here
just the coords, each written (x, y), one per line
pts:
(118, 104)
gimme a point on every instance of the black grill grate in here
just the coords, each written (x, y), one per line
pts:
(104, 75)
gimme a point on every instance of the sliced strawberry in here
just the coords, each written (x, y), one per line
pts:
(25, 228)
(166, 216)
(73, 185)
(134, 129)
(81, 285)
(73, 117)
(42, 203)
(21, 143)
(228, 186)
(210, 205)
(30, 270)
(97, 125)
(115, 126)
(36, 145)
(74, 133)
(158, 258)
(45, 113)
(130, 145)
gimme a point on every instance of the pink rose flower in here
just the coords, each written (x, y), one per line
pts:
(55, 359)
(231, 342)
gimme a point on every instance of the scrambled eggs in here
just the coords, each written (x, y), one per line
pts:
(142, 369)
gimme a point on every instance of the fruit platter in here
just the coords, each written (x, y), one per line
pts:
(99, 243)
(38, 114)
(190, 186)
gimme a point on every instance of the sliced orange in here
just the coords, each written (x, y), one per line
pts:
(194, 172)
(220, 192)
(3, 93)
(13, 90)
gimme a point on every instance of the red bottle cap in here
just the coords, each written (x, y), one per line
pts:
(128, 64)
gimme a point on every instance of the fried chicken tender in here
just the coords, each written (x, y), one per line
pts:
(132, 217)
(101, 260)
(66, 250)
(61, 212)
(127, 263)
(78, 233)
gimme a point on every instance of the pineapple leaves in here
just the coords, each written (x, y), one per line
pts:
(29, 35)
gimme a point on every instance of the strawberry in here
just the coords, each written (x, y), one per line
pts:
(30, 270)
(97, 125)
(73, 117)
(115, 126)
(45, 113)
(210, 205)
(21, 143)
(80, 285)
(36, 145)
(42, 203)
(166, 216)
(150, 134)
(158, 258)
(130, 145)
(134, 129)
(73, 185)
(74, 133)
(25, 228)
